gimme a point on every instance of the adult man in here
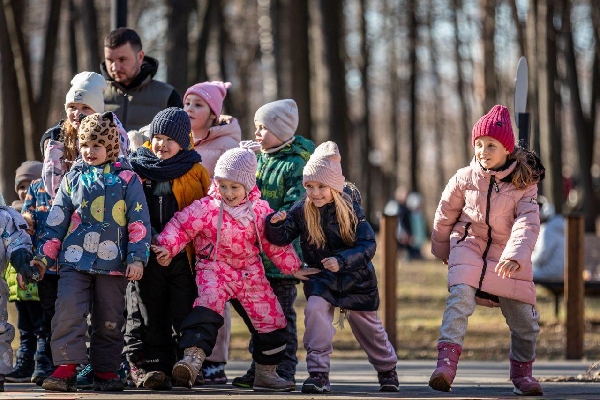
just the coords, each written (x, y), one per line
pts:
(132, 92)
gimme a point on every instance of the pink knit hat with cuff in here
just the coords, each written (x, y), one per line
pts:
(212, 92)
(238, 165)
(324, 166)
(496, 124)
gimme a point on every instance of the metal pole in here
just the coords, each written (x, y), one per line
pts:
(390, 302)
(574, 287)
(523, 129)
(118, 14)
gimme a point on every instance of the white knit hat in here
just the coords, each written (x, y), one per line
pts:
(238, 165)
(87, 88)
(324, 166)
(280, 118)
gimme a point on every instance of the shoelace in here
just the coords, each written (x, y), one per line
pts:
(86, 371)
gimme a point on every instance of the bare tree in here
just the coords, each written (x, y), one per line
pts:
(178, 12)
(411, 15)
(461, 85)
(89, 25)
(488, 30)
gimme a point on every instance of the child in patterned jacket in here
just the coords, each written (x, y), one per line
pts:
(98, 233)
(227, 228)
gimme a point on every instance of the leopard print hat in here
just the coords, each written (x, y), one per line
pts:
(102, 129)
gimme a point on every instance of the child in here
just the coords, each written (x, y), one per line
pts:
(98, 225)
(173, 178)
(337, 240)
(16, 247)
(279, 177)
(34, 334)
(485, 228)
(227, 230)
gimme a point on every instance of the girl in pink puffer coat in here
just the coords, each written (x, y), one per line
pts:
(485, 229)
(227, 228)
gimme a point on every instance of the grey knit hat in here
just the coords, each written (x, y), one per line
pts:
(324, 166)
(28, 171)
(174, 123)
(238, 165)
(280, 117)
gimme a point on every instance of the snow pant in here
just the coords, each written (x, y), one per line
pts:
(286, 293)
(7, 332)
(366, 327)
(157, 305)
(30, 322)
(48, 292)
(521, 318)
(78, 293)
(220, 352)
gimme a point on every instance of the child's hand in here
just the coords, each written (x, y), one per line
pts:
(506, 268)
(303, 274)
(278, 216)
(162, 255)
(331, 264)
(134, 272)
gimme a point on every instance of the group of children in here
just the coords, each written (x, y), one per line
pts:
(189, 222)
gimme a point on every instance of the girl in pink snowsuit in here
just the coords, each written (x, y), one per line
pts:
(227, 228)
(485, 228)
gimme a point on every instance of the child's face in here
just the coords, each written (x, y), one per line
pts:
(93, 153)
(490, 153)
(73, 111)
(201, 116)
(164, 147)
(266, 138)
(318, 193)
(22, 189)
(233, 193)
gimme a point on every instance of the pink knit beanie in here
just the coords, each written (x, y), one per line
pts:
(496, 124)
(324, 166)
(238, 165)
(212, 92)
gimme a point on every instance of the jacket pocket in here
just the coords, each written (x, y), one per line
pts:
(466, 233)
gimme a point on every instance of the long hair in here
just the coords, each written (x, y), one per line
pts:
(344, 212)
(525, 173)
(68, 135)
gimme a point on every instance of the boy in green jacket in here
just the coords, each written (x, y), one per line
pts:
(281, 160)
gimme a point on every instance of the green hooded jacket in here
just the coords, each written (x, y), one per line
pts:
(16, 293)
(279, 178)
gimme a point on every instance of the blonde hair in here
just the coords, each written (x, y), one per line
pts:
(68, 135)
(525, 173)
(346, 219)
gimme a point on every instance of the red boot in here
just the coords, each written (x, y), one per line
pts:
(521, 377)
(64, 379)
(443, 376)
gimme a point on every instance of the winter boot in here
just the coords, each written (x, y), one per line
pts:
(521, 377)
(156, 380)
(246, 380)
(443, 376)
(108, 382)
(22, 370)
(136, 375)
(267, 380)
(317, 382)
(64, 379)
(1, 383)
(186, 370)
(388, 381)
(214, 373)
(43, 369)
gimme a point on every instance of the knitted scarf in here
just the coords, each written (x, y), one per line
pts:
(145, 163)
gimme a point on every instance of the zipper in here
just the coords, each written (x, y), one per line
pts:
(124, 122)
(466, 233)
(160, 201)
(487, 222)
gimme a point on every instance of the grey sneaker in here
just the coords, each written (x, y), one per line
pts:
(267, 380)
(190, 366)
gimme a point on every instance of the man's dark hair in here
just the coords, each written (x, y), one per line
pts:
(121, 36)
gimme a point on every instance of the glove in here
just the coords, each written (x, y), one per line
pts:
(20, 260)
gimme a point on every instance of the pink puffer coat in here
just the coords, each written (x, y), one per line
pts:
(481, 219)
(220, 138)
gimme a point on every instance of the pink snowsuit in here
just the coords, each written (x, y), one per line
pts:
(481, 219)
(237, 272)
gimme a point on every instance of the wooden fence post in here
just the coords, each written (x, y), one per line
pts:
(574, 288)
(390, 259)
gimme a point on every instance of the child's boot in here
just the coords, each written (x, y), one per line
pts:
(64, 379)
(267, 380)
(108, 382)
(43, 369)
(186, 370)
(23, 368)
(1, 383)
(521, 376)
(388, 381)
(317, 382)
(443, 376)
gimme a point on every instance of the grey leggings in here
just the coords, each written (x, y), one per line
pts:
(521, 318)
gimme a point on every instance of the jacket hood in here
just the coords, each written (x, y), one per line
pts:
(228, 126)
(148, 69)
(120, 165)
(505, 174)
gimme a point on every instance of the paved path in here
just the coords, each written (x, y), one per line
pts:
(356, 379)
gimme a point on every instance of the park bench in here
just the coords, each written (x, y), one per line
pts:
(591, 260)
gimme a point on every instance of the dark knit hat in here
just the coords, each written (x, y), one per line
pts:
(28, 171)
(174, 123)
(496, 124)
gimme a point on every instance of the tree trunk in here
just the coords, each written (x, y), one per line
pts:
(438, 107)
(488, 30)
(203, 39)
(90, 34)
(394, 93)
(333, 29)
(72, 19)
(461, 88)
(177, 43)
(520, 29)
(532, 97)
(411, 15)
